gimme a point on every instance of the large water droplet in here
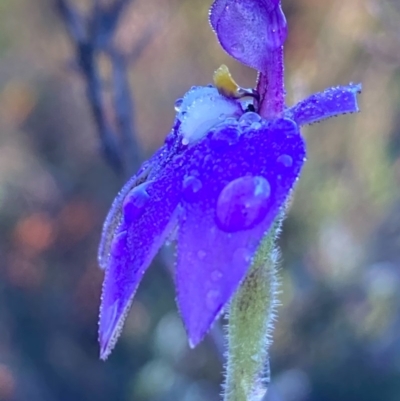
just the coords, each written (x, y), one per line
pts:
(224, 136)
(191, 187)
(135, 202)
(249, 118)
(289, 127)
(178, 104)
(286, 160)
(243, 203)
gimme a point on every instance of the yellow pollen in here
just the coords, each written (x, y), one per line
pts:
(225, 84)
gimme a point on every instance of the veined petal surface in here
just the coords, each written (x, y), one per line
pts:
(249, 30)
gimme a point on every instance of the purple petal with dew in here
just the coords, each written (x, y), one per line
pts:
(218, 7)
(238, 179)
(148, 217)
(114, 217)
(329, 103)
(249, 30)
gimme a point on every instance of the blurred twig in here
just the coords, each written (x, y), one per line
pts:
(91, 36)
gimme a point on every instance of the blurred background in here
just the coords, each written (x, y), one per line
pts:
(338, 332)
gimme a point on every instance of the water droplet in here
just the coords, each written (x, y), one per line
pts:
(213, 299)
(224, 136)
(179, 160)
(201, 254)
(243, 203)
(178, 104)
(249, 118)
(255, 126)
(286, 160)
(241, 257)
(118, 244)
(135, 202)
(191, 188)
(216, 275)
(288, 127)
(207, 161)
(237, 49)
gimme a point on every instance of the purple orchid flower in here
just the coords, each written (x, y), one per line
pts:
(219, 181)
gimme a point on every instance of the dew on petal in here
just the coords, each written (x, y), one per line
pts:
(249, 118)
(212, 299)
(256, 126)
(223, 136)
(237, 50)
(135, 202)
(242, 256)
(288, 126)
(201, 254)
(191, 186)
(216, 275)
(118, 244)
(286, 160)
(178, 104)
(242, 204)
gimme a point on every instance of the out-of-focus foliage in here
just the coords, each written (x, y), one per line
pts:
(337, 337)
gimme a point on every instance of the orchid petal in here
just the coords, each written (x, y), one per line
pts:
(249, 30)
(330, 103)
(238, 179)
(148, 217)
(114, 217)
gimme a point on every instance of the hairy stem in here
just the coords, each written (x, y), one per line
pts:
(250, 324)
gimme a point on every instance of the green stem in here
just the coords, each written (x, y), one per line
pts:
(250, 324)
